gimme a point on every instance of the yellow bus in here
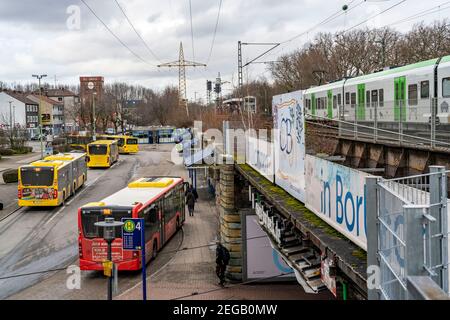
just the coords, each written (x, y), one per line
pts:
(102, 153)
(51, 181)
(79, 142)
(127, 144)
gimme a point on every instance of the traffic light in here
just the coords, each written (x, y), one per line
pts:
(208, 85)
(217, 87)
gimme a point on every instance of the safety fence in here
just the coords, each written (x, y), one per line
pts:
(407, 223)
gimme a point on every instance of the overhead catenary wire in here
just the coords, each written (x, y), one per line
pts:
(330, 18)
(98, 263)
(115, 36)
(192, 31)
(421, 14)
(215, 32)
(374, 16)
(137, 33)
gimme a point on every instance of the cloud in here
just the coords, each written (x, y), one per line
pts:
(35, 37)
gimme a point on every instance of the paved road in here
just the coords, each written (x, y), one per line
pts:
(35, 239)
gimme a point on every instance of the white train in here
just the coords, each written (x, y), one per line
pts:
(405, 93)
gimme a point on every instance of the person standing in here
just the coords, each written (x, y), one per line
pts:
(222, 259)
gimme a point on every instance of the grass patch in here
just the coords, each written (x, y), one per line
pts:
(360, 254)
(292, 204)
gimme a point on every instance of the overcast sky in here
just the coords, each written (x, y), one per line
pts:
(40, 36)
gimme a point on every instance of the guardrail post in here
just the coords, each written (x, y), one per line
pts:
(372, 229)
(433, 107)
(414, 249)
(438, 195)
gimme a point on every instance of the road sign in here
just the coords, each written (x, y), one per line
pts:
(133, 238)
(132, 230)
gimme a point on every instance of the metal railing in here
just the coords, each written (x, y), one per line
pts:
(407, 223)
(394, 122)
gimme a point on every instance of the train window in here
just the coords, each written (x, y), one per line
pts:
(334, 102)
(374, 97)
(353, 99)
(347, 98)
(368, 98)
(339, 99)
(412, 94)
(381, 97)
(446, 87)
(425, 89)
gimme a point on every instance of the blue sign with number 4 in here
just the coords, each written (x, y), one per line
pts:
(132, 230)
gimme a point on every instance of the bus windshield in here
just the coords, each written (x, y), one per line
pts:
(132, 141)
(89, 217)
(37, 176)
(98, 149)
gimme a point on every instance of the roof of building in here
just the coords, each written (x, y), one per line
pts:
(45, 99)
(59, 93)
(22, 97)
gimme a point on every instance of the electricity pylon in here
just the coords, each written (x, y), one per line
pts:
(182, 64)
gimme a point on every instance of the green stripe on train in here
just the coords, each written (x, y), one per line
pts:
(361, 106)
(330, 104)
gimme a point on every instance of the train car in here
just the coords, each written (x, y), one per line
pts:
(409, 94)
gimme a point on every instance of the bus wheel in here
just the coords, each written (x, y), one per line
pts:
(155, 250)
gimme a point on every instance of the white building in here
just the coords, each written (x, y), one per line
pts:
(71, 102)
(17, 109)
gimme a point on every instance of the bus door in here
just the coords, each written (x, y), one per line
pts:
(162, 222)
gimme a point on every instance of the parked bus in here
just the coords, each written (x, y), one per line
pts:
(51, 181)
(102, 153)
(127, 144)
(78, 142)
(160, 201)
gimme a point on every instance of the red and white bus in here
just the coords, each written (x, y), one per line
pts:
(160, 201)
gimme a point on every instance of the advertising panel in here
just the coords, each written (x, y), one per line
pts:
(260, 157)
(337, 194)
(262, 260)
(289, 138)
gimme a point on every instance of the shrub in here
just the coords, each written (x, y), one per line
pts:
(6, 152)
(10, 176)
(23, 150)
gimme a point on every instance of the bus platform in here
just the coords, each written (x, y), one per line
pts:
(190, 274)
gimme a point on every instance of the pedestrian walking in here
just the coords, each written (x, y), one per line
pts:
(191, 198)
(190, 201)
(222, 259)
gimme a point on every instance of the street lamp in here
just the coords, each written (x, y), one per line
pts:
(39, 77)
(93, 116)
(109, 226)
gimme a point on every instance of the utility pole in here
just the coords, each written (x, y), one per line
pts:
(181, 64)
(93, 116)
(10, 122)
(39, 77)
